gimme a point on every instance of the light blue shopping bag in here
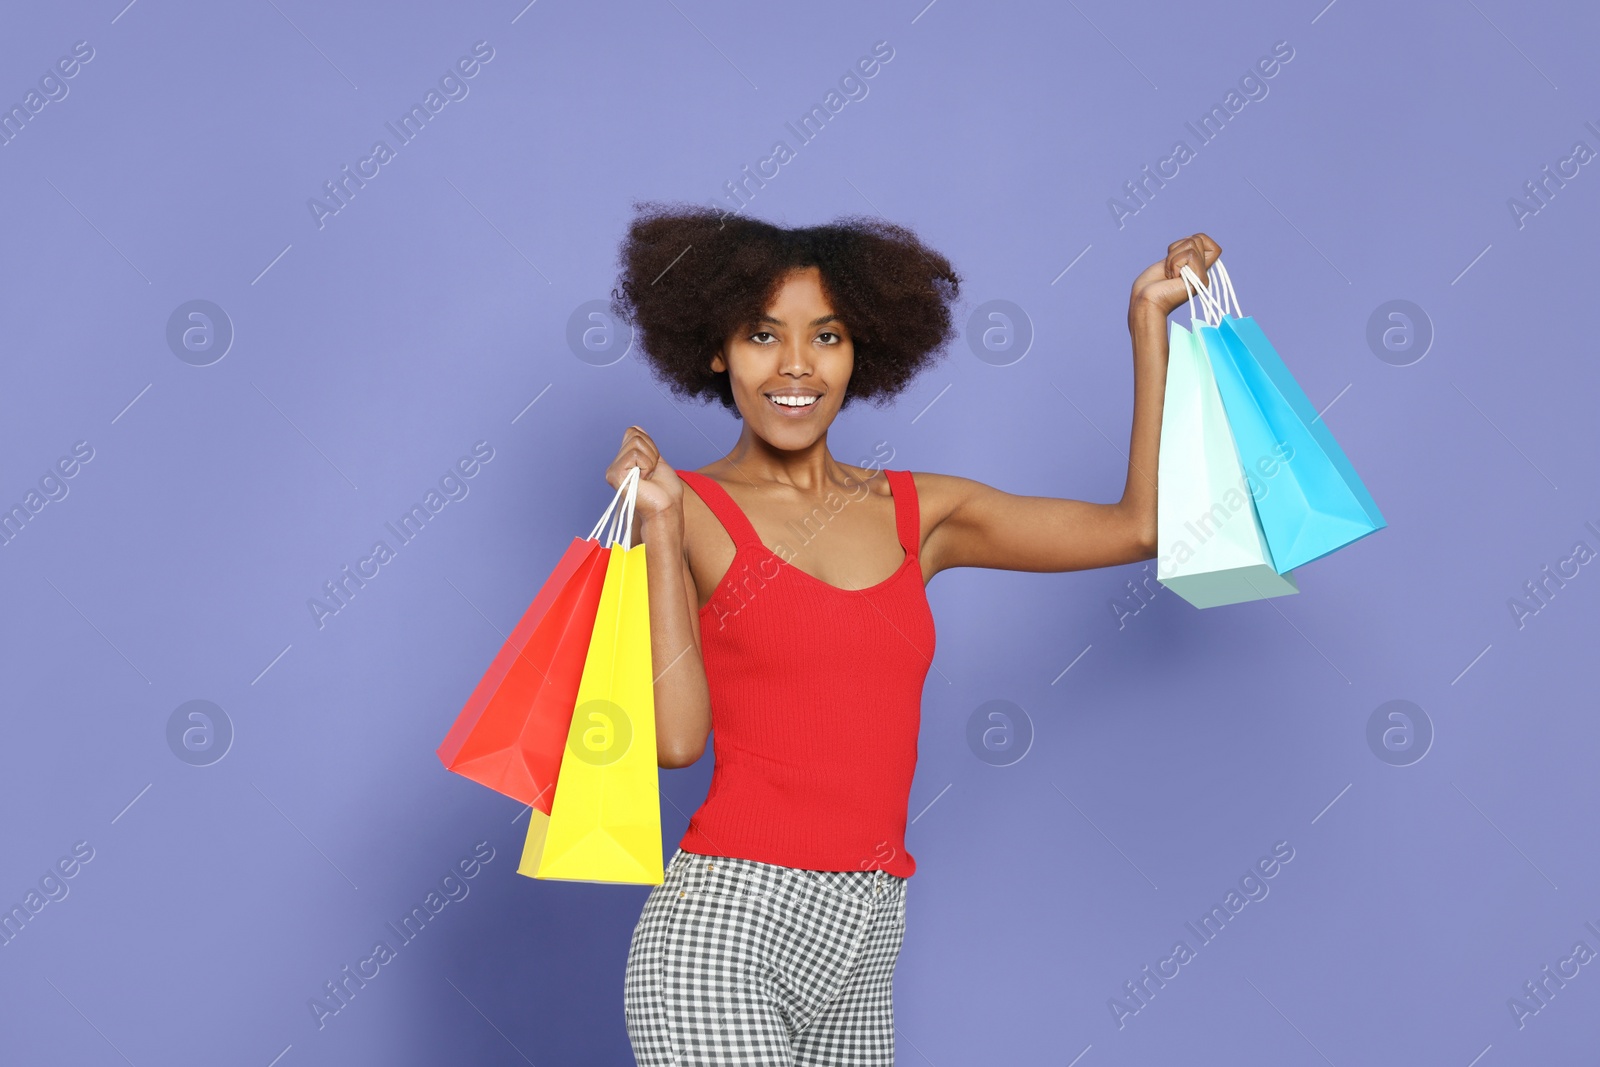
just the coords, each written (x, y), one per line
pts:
(1308, 496)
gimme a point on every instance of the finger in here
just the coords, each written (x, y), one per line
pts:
(639, 457)
(628, 458)
(1176, 259)
(633, 441)
(1211, 249)
(1179, 251)
(1193, 254)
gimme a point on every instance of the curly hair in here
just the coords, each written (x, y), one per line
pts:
(691, 275)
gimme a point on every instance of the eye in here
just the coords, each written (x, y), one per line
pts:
(760, 333)
(830, 333)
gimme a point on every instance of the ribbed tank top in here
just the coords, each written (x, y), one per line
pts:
(816, 700)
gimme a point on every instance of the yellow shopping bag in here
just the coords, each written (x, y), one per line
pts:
(605, 820)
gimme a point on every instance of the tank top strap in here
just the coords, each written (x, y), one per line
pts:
(907, 514)
(722, 506)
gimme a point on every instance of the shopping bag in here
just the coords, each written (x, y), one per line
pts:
(605, 820)
(510, 734)
(1308, 496)
(1210, 548)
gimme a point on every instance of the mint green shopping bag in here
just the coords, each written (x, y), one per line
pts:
(1210, 546)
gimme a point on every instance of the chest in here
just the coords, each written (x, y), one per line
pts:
(846, 544)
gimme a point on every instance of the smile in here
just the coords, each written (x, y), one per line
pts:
(792, 406)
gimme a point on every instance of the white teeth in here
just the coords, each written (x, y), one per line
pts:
(795, 401)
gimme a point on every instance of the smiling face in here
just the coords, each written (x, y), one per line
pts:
(789, 369)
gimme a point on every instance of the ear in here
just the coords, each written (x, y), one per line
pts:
(718, 363)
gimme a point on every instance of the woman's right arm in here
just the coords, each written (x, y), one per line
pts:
(682, 697)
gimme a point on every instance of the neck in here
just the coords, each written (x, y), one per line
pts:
(810, 468)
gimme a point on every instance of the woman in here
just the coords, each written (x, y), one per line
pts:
(788, 610)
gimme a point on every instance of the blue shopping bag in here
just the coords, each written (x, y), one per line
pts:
(1308, 496)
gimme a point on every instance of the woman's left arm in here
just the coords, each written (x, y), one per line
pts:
(977, 525)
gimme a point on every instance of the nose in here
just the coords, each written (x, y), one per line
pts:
(796, 359)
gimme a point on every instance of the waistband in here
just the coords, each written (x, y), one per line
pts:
(757, 878)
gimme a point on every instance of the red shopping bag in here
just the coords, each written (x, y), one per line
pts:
(513, 729)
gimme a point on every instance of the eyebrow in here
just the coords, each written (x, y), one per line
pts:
(813, 322)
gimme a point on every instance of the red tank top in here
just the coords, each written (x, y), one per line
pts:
(816, 700)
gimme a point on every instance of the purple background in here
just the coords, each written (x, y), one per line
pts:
(433, 312)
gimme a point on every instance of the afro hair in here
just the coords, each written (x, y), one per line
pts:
(691, 275)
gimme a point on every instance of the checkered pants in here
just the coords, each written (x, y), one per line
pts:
(735, 961)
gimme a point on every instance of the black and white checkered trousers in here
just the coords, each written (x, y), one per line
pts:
(734, 961)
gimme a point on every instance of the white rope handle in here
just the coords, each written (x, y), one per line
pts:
(628, 505)
(605, 515)
(611, 530)
(1185, 273)
(622, 522)
(1216, 299)
(1210, 312)
(1227, 286)
(630, 477)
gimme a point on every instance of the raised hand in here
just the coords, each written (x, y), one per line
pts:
(1161, 286)
(660, 489)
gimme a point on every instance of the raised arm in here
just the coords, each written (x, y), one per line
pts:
(976, 525)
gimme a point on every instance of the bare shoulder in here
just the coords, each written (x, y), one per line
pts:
(938, 495)
(872, 477)
(708, 551)
(696, 512)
